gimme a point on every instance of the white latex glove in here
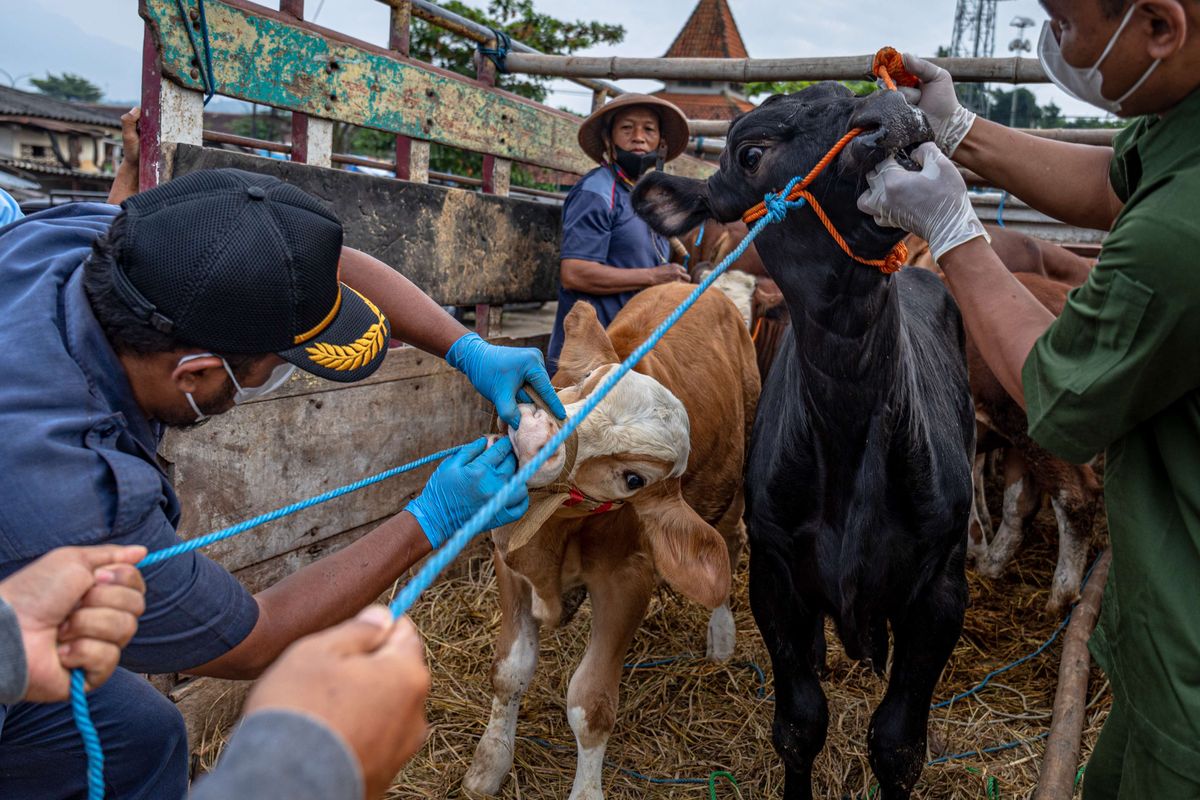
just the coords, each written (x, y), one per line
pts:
(932, 203)
(950, 121)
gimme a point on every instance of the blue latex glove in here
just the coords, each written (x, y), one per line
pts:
(499, 373)
(462, 484)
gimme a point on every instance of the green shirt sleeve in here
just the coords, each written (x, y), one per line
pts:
(1124, 171)
(1128, 342)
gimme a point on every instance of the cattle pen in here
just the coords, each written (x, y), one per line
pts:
(690, 728)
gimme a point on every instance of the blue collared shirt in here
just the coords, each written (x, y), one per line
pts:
(78, 454)
(599, 224)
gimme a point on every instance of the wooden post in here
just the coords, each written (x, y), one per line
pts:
(1057, 778)
(299, 121)
(412, 155)
(149, 150)
(599, 97)
(320, 142)
(497, 174)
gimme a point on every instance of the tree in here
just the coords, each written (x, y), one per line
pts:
(68, 86)
(522, 22)
(767, 88)
(1026, 113)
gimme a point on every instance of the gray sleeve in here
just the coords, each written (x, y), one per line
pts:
(14, 673)
(283, 755)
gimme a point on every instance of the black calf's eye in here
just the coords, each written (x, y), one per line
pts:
(749, 157)
(634, 481)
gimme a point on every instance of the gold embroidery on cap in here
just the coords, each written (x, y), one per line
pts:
(358, 353)
(320, 326)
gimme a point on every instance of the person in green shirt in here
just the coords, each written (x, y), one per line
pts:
(1119, 371)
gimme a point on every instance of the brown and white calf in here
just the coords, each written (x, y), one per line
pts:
(1030, 471)
(654, 491)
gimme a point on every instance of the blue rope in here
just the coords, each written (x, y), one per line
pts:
(1000, 210)
(498, 55)
(83, 721)
(687, 258)
(993, 749)
(777, 208)
(271, 516)
(91, 739)
(205, 68)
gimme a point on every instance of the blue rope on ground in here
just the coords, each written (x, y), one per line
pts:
(91, 739)
(993, 749)
(777, 208)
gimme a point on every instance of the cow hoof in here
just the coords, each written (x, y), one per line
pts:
(488, 769)
(990, 567)
(1061, 600)
(722, 634)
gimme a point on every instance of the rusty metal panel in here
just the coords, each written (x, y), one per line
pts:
(460, 247)
(265, 57)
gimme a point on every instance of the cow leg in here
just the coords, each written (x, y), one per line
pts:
(1021, 495)
(512, 670)
(790, 631)
(722, 632)
(925, 635)
(980, 527)
(1074, 503)
(619, 601)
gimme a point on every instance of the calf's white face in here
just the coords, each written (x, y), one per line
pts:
(638, 436)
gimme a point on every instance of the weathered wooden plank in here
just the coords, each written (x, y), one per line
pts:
(460, 247)
(267, 57)
(745, 70)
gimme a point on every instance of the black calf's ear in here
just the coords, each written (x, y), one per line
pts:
(670, 204)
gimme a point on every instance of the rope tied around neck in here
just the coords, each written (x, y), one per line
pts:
(889, 67)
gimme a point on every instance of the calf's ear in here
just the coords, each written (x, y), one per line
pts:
(671, 204)
(585, 345)
(688, 553)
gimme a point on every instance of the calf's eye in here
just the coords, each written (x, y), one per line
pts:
(749, 157)
(634, 481)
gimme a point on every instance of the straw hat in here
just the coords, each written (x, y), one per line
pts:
(672, 122)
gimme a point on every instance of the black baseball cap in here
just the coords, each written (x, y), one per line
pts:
(238, 262)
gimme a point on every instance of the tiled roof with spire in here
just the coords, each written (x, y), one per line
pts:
(710, 32)
(707, 106)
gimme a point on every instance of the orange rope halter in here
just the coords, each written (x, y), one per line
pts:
(888, 63)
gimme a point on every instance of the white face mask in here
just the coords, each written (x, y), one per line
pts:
(242, 394)
(1085, 84)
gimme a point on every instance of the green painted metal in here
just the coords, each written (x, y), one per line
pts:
(260, 57)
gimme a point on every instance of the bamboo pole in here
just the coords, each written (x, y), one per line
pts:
(1094, 136)
(1057, 778)
(744, 70)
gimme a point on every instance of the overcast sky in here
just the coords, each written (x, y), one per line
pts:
(101, 39)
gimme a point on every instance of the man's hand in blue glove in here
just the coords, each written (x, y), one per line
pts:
(499, 373)
(461, 486)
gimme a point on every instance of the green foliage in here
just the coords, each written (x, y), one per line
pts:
(768, 88)
(1026, 113)
(266, 123)
(68, 86)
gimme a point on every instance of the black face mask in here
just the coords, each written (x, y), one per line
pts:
(634, 164)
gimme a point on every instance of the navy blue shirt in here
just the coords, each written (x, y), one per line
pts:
(599, 225)
(78, 454)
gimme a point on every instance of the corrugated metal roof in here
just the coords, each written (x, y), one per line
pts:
(16, 103)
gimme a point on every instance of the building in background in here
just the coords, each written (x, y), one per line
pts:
(710, 32)
(54, 148)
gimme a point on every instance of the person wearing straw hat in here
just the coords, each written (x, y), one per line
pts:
(608, 252)
(1119, 371)
(184, 302)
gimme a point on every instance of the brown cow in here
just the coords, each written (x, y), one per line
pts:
(668, 445)
(1029, 472)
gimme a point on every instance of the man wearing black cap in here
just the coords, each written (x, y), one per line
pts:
(189, 299)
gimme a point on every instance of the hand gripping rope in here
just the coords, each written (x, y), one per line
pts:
(773, 208)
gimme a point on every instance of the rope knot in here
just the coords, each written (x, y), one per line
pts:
(498, 55)
(896, 259)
